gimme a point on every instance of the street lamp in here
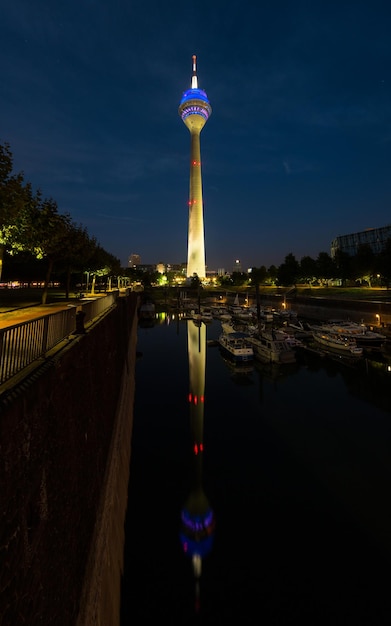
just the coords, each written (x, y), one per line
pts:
(377, 319)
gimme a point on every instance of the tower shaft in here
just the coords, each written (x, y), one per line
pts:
(196, 239)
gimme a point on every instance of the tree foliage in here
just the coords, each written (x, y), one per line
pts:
(32, 224)
(289, 271)
(13, 195)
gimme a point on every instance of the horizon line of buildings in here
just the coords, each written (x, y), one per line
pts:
(376, 238)
(134, 261)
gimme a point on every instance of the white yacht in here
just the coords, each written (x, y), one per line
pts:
(236, 346)
(272, 347)
(363, 337)
(337, 343)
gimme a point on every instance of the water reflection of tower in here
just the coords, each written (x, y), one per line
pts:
(197, 516)
(194, 109)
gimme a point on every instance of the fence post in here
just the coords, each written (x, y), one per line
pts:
(45, 334)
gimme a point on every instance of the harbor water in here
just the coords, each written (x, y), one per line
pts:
(257, 495)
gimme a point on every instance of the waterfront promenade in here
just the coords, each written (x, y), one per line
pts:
(21, 305)
(30, 331)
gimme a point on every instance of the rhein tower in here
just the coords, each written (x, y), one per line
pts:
(195, 110)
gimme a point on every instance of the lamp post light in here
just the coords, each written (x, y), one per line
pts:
(377, 319)
(87, 273)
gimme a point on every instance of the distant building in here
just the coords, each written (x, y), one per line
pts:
(147, 268)
(134, 260)
(237, 267)
(181, 268)
(374, 237)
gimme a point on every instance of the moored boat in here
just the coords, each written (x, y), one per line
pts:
(284, 314)
(266, 314)
(337, 343)
(147, 310)
(362, 336)
(272, 347)
(206, 314)
(227, 327)
(236, 346)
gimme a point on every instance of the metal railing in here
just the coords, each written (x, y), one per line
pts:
(94, 308)
(26, 342)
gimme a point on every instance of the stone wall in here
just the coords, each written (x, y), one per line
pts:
(65, 434)
(333, 308)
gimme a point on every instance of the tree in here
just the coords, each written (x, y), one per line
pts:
(225, 280)
(289, 271)
(308, 269)
(44, 232)
(23, 267)
(272, 273)
(12, 199)
(101, 263)
(384, 263)
(239, 278)
(30, 224)
(325, 266)
(195, 282)
(343, 266)
(364, 262)
(79, 250)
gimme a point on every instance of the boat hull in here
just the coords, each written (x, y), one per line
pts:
(270, 349)
(339, 347)
(235, 347)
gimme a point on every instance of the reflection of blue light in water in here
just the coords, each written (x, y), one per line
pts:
(197, 523)
(196, 547)
(197, 532)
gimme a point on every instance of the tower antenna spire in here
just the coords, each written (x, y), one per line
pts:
(194, 79)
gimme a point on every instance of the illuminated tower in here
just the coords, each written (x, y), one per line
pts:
(195, 110)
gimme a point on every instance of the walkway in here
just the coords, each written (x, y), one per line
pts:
(27, 313)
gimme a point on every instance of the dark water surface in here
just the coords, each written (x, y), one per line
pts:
(283, 479)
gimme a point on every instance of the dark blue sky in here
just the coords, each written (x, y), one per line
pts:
(296, 152)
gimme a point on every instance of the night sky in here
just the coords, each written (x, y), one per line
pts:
(296, 152)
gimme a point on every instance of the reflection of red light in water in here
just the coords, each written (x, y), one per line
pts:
(195, 399)
(198, 448)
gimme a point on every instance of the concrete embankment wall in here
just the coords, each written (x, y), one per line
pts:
(65, 436)
(332, 308)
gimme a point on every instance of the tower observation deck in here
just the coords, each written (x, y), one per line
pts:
(194, 109)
